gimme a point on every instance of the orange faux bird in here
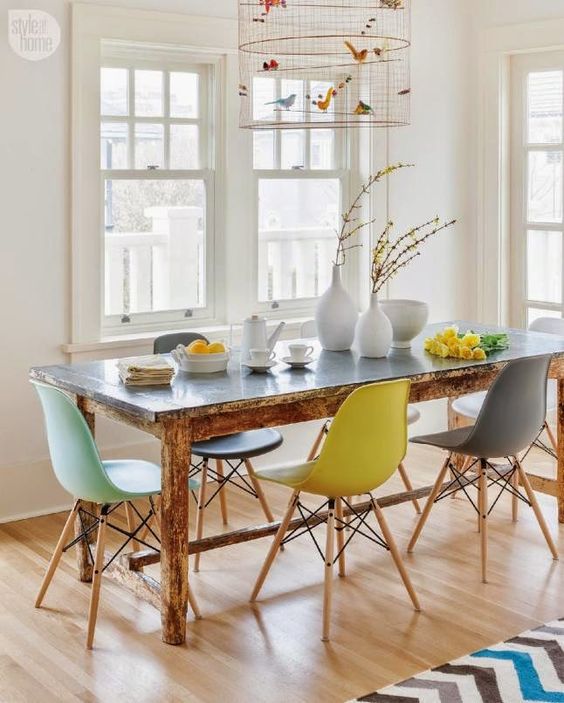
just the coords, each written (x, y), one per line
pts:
(359, 56)
(323, 105)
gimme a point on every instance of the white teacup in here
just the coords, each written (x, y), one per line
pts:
(300, 352)
(262, 356)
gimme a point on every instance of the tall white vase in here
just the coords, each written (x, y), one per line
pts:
(374, 331)
(336, 316)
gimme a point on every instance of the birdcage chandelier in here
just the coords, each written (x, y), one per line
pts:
(324, 63)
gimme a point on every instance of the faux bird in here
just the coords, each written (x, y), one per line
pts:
(284, 103)
(323, 105)
(271, 65)
(359, 56)
(363, 109)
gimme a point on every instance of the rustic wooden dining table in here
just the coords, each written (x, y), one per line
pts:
(197, 407)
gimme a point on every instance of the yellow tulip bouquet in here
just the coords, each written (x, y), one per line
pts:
(450, 343)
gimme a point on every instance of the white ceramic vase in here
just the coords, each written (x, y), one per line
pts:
(336, 316)
(374, 331)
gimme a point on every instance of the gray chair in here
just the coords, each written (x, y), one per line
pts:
(235, 450)
(512, 414)
(469, 406)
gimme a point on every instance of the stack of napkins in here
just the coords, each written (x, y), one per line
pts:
(154, 370)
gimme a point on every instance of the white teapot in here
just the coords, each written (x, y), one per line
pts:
(255, 336)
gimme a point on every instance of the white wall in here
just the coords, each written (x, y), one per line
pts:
(496, 12)
(35, 213)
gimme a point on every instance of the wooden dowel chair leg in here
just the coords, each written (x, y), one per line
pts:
(328, 581)
(408, 486)
(483, 508)
(258, 490)
(429, 505)
(514, 498)
(96, 578)
(222, 493)
(201, 510)
(314, 451)
(551, 436)
(339, 529)
(129, 514)
(194, 604)
(274, 547)
(524, 480)
(57, 554)
(396, 556)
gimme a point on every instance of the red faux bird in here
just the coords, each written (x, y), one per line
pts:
(271, 65)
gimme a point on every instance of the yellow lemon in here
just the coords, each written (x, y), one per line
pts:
(197, 347)
(216, 348)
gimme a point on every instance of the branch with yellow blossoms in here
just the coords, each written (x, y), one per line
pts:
(352, 225)
(389, 257)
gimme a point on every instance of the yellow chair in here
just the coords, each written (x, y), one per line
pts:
(364, 447)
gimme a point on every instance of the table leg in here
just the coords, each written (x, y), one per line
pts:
(176, 443)
(454, 422)
(560, 474)
(84, 561)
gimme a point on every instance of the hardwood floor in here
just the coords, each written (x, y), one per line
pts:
(272, 652)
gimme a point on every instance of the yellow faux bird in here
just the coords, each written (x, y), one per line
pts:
(323, 105)
(359, 56)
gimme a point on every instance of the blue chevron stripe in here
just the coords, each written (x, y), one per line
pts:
(529, 681)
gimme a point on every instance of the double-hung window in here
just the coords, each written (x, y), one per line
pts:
(537, 187)
(300, 182)
(156, 160)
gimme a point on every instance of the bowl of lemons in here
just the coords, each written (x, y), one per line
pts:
(202, 357)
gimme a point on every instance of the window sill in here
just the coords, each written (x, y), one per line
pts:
(135, 341)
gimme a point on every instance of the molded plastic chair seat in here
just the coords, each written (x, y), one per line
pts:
(292, 475)
(450, 439)
(137, 479)
(243, 445)
(470, 405)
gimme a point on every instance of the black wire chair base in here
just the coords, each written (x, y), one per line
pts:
(540, 444)
(461, 482)
(234, 477)
(357, 525)
(106, 511)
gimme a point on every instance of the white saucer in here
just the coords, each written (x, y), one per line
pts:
(259, 368)
(298, 364)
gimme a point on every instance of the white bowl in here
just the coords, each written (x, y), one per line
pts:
(202, 363)
(408, 318)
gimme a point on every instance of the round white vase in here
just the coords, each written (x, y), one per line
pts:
(336, 316)
(374, 331)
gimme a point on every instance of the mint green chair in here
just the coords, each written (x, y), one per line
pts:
(365, 445)
(80, 470)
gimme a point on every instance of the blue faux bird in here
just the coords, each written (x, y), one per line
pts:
(285, 103)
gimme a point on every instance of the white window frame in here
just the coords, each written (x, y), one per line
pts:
(196, 39)
(521, 66)
(132, 57)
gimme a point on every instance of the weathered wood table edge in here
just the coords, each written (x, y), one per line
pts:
(179, 428)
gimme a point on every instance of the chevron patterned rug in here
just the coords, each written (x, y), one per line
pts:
(529, 667)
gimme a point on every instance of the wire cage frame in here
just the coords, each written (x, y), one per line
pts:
(324, 63)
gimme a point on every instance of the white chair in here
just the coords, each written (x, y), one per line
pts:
(309, 330)
(469, 406)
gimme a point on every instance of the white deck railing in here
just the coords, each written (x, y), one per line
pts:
(164, 269)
